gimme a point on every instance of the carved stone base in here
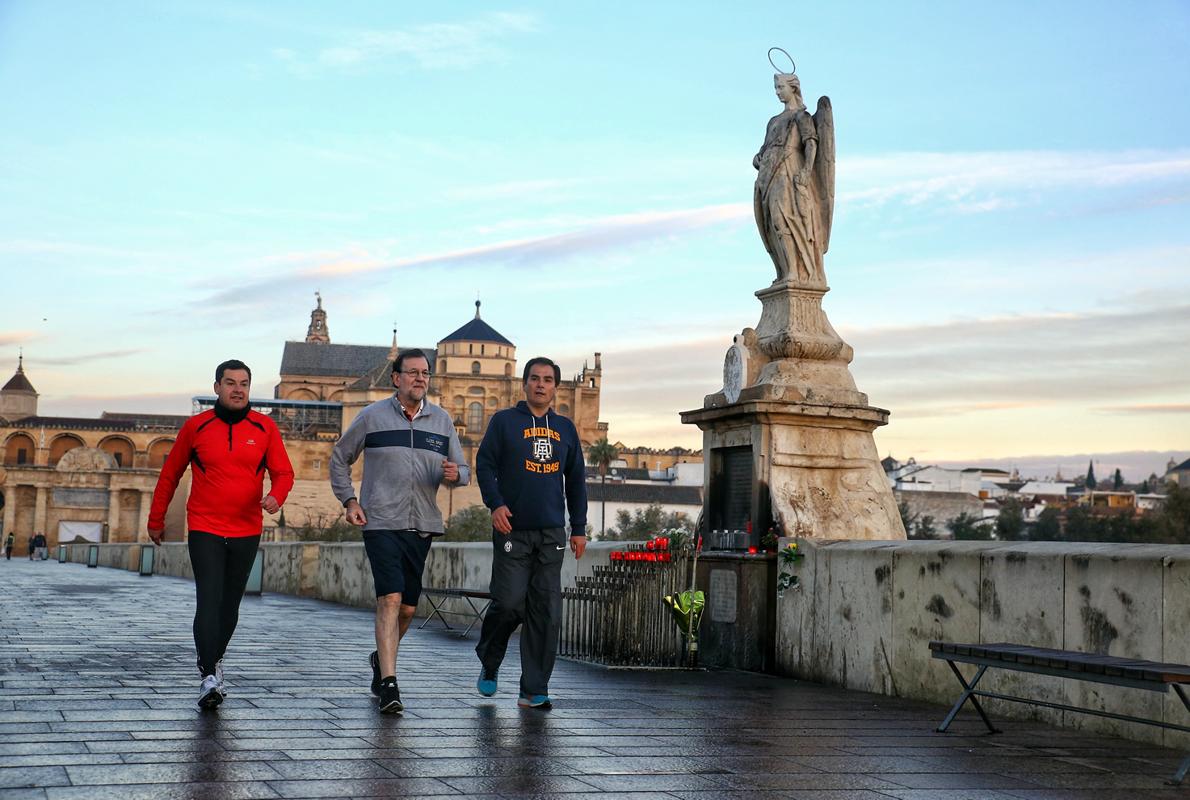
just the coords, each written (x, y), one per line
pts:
(815, 468)
(793, 325)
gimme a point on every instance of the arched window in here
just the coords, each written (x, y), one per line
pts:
(508, 370)
(442, 365)
(63, 445)
(19, 449)
(118, 448)
(474, 417)
(564, 410)
(475, 367)
(158, 450)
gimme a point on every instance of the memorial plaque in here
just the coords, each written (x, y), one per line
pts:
(80, 498)
(732, 488)
(723, 595)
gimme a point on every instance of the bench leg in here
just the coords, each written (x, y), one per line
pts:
(478, 612)
(1180, 775)
(437, 612)
(967, 695)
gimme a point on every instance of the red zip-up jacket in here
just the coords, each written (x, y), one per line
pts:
(227, 479)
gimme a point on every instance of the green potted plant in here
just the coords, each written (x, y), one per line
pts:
(687, 607)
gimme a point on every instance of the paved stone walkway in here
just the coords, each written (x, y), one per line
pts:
(97, 683)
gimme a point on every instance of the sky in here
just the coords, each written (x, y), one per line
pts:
(1010, 254)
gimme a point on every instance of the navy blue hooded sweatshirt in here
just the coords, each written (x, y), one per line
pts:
(533, 465)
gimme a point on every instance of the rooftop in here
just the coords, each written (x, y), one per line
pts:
(18, 382)
(476, 331)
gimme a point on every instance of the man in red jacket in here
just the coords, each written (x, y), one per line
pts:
(230, 447)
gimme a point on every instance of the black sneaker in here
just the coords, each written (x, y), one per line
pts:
(374, 659)
(390, 697)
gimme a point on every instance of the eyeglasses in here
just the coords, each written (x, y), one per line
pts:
(417, 373)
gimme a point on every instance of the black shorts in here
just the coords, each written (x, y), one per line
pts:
(397, 559)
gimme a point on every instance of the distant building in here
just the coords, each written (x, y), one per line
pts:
(81, 478)
(633, 497)
(1179, 474)
(656, 459)
(103, 492)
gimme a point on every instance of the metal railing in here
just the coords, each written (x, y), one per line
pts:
(617, 616)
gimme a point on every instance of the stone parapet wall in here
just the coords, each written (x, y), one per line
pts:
(866, 611)
(339, 573)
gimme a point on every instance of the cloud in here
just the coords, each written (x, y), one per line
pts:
(8, 338)
(1070, 358)
(915, 178)
(431, 46)
(1134, 465)
(600, 235)
(1130, 357)
(82, 405)
(84, 358)
(1148, 408)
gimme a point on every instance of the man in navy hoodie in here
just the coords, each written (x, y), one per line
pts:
(530, 471)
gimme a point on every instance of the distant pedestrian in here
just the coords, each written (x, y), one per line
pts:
(41, 547)
(230, 447)
(32, 545)
(531, 475)
(9, 544)
(410, 449)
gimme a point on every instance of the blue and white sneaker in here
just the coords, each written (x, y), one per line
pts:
(487, 683)
(541, 701)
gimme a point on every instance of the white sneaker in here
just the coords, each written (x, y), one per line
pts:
(219, 677)
(209, 695)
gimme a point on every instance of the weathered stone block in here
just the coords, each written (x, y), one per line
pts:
(795, 632)
(1176, 644)
(935, 595)
(860, 613)
(1113, 602)
(1021, 602)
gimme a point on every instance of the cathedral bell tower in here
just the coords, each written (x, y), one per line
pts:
(317, 332)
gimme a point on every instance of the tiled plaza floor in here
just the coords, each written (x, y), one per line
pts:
(97, 683)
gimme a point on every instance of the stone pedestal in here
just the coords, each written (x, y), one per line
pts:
(789, 439)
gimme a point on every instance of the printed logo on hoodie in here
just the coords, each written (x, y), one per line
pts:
(543, 450)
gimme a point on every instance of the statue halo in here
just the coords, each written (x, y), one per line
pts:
(792, 63)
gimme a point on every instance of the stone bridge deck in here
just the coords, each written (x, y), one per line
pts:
(97, 684)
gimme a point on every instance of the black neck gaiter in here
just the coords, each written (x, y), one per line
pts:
(230, 416)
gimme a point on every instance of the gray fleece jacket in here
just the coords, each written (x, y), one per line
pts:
(402, 465)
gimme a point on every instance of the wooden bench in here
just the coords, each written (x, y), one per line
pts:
(439, 597)
(1136, 674)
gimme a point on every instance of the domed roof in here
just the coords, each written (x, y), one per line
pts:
(18, 382)
(477, 331)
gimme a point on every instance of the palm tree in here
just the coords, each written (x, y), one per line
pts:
(601, 454)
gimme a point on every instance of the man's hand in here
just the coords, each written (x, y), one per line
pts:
(450, 471)
(155, 536)
(577, 545)
(355, 513)
(500, 520)
(270, 504)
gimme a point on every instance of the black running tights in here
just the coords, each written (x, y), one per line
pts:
(221, 566)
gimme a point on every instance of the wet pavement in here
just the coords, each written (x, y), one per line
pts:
(97, 684)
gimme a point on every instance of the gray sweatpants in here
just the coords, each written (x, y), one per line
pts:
(526, 589)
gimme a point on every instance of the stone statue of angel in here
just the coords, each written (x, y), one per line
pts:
(795, 185)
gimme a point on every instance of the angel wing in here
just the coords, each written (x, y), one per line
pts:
(824, 165)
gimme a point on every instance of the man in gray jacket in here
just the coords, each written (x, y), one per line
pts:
(410, 448)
